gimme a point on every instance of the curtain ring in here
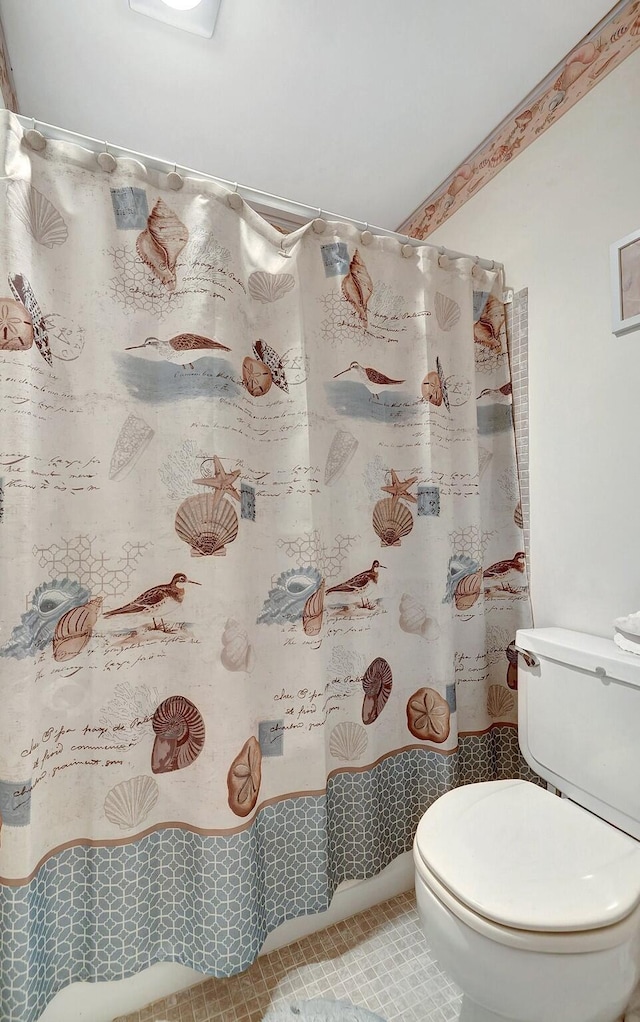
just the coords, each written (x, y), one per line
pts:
(33, 138)
(106, 161)
(319, 224)
(366, 237)
(287, 255)
(175, 181)
(442, 254)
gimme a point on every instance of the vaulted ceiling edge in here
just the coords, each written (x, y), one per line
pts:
(610, 42)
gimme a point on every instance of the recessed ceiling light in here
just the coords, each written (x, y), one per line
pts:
(197, 16)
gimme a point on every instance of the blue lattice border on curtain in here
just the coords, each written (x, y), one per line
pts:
(95, 913)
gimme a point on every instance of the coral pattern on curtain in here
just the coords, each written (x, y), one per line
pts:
(261, 559)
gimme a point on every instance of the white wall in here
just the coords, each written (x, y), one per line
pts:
(101, 1002)
(550, 216)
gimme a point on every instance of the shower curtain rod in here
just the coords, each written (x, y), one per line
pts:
(275, 204)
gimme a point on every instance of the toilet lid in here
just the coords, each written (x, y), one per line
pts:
(522, 857)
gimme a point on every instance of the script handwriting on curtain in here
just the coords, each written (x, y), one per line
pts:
(262, 564)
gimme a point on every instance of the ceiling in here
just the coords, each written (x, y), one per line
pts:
(360, 107)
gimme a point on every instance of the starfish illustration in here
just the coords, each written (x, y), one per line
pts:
(221, 481)
(400, 487)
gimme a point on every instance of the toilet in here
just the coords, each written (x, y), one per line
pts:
(531, 902)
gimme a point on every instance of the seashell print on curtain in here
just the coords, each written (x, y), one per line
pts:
(262, 561)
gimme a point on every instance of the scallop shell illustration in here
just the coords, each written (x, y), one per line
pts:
(468, 590)
(256, 376)
(357, 286)
(41, 218)
(290, 593)
(272, 360)
(180, 733)
(313, 611)
(244, 778)
(133, 439)
(49, 602)
(343, 447)
(16, 327)
(74, 629)
(447, 311)
(269, 287)
(432, 389)
(500, 702)
(237, 653)
(129, 803)
(415, 620)
(377, 683)
(161, 243)
(348, 741)
(391, 521)
(207, 524)
(23, 292)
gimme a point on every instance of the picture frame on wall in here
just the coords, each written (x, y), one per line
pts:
(625, 283)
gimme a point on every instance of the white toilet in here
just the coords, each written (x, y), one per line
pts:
(532, 902)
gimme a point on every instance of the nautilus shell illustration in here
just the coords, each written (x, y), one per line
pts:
(41, 218)
(392, 520)
(207, 524)
(269, 287)
(244, 778)
(129, 803)
(74, 630)
(348, 741)
(161, 243)
(290, 593)
(377, 683)
(37, 626)
(180, 733)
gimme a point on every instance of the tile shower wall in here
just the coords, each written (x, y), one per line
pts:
(518, 332)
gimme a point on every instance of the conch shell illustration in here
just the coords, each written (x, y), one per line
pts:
(357, 286)
(74, 629)
(415, 620)
(244, 778)
(488, 328)
(313, 611)
(237, 654)
(49, 603)
(179, 730)
(207, 524)
(161, 243)
(391, 521)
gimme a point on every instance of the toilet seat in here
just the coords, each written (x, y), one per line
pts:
(529, 869)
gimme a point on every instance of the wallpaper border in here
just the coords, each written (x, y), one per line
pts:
(7, 88)
(599, 52)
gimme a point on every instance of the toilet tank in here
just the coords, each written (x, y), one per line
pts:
(579, 720)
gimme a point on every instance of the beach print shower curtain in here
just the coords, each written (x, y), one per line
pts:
(261, 557)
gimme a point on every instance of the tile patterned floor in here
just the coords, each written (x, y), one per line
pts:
(378, 960)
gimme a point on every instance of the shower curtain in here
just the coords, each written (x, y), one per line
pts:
(262, 563)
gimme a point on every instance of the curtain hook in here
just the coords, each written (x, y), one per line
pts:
(287, 255)
(366, 237)
(319, 224)
(175, 181)
(106, 161)
(442, 254)
(234, 199)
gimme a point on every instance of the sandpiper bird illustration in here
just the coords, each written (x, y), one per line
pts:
(504, 391)
(517, 563)
(182, 348)
(373, 379)
(153, 601)
(359, 584)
